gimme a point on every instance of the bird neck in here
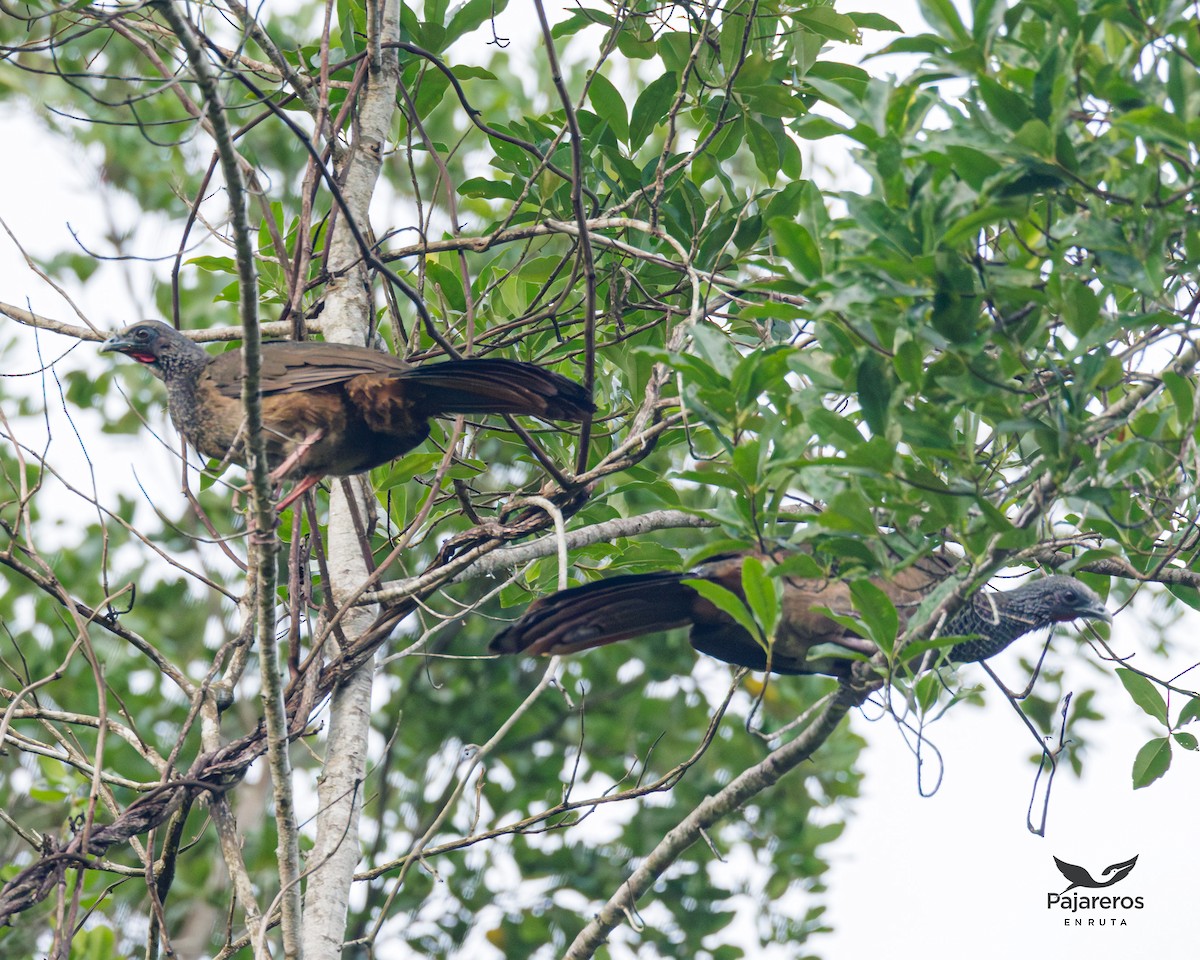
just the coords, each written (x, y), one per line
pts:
(186, 359)
(996, 620)
(180, 371)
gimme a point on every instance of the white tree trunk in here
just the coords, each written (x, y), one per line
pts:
(347, 317)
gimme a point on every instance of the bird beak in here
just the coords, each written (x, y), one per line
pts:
(116, 344)
(1096, 611)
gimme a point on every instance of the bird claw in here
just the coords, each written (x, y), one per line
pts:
(298, 491)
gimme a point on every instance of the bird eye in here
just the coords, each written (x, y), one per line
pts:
(1071, 596)
(142, 333)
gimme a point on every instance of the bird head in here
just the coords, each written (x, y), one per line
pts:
(1062, 598)
(155, 344)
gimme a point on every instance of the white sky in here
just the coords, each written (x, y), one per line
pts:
(927, 879)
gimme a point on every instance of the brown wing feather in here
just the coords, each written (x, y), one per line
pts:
(289, 366)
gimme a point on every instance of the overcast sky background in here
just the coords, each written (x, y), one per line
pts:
(950, 876)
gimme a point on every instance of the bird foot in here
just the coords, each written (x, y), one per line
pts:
(291, 462)
(297, 492)
(293, 458)
(857, 644)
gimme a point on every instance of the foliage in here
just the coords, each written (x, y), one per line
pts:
(990, 345)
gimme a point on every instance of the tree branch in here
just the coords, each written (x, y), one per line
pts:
(741, 789)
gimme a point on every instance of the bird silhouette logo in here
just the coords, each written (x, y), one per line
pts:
(1079, 877)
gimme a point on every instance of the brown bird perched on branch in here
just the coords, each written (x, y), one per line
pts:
(334, 408)
(619, 608)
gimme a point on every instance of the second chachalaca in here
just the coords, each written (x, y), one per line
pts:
(622, 607)
(334, 408)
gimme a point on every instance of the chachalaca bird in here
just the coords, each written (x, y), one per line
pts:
(618, 608)
(334, 408)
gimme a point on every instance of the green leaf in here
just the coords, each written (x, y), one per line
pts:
(1182, 395)
(800, 565)
(448, 283)
(1035, 136)
(878, 612)
(849, 511)
(469, 16)
(1081, 308)
(816, 127)
(943, 17)
(469, 71)
(834, 428)
(713, 477)
(214, 264)
(581, 19)
(1156, 125)
(875, 21)
(651, 107)
(828, 23)
(874, 391)
(974, 166)
(928, 687)
(1186, 740)
(1189, 595)
(727, 602)
(925, 43)
(1152, 761)
(761, 594)
(1144, 693)
(97, 943)
(764, 149)
(1006, 106)
(1190, 712)
(968, 227)
(909, 362)
(1048, 76)
(736, 30)
(759, 371)
(353, 22)
(610, 105)
(489, 188)
(798, 247)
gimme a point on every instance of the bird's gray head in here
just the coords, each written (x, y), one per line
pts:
(160, 347)
(1059, 599)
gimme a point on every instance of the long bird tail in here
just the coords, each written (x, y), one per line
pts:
(494, 385)
(598, 613)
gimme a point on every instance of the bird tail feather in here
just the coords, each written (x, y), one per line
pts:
(493, 385)
(599, 613)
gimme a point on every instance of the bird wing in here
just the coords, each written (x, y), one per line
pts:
(290, 366)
